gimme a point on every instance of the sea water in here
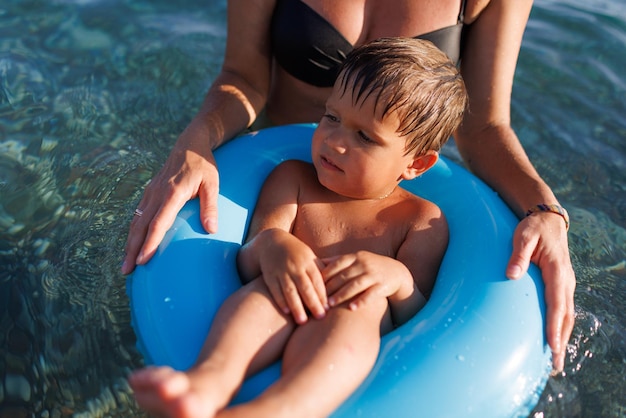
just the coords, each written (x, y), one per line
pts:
(93, 93)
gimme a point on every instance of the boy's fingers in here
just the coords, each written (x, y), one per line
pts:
(334, 265)
(308, 295)
(320, 291)
(292, 300)
(346, 289)
(277, 294)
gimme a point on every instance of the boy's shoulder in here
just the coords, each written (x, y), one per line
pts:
(418, 203)
(294, 165)
(421, 212)
(291, 172)
(295, 169)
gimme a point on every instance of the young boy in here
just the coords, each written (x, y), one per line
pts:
(337, 240)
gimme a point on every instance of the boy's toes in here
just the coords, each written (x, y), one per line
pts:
(174, 385)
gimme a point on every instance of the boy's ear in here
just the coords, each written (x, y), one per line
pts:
(420, 165)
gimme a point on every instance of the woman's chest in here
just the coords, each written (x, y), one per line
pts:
(360, 21)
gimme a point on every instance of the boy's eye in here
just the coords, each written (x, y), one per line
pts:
(331, 118)
(365, 138)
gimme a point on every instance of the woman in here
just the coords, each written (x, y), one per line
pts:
(273, 64)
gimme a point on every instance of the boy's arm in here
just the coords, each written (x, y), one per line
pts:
(421, 252)
(276, 208)
(424, 247)
(288, 266)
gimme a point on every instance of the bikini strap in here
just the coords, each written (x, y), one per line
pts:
(462, 12)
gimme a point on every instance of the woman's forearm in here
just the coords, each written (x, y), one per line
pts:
(496, 156)
(229, 107)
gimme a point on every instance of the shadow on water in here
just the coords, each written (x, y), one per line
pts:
(94, 92)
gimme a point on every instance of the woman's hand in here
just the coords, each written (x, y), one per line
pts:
(360, 277)
(232, 103)
(189, 171)
(542, 239)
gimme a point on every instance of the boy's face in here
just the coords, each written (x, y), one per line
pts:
(355, 152)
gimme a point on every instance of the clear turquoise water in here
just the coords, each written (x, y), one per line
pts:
(94, 92)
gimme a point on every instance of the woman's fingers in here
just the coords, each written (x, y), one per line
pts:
(137, 233)
(148, 228)
(559, 293)
(159, 225)
(542, 239)
(163, 198)
(208, 194)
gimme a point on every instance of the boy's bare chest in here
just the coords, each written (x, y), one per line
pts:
(338, 229)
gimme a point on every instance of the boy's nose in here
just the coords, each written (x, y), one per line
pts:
(336, 141)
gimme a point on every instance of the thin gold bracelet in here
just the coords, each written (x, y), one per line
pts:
(559, 210)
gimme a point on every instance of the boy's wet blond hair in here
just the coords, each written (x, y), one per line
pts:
(413, 78)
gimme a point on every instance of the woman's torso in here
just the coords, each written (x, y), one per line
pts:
(341, 25)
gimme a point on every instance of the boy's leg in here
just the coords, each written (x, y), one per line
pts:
(248, 333)
(324, 362)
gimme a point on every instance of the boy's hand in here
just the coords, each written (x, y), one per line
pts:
(363, 276)
(291, 271)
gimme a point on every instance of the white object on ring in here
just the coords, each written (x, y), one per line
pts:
(138, 212)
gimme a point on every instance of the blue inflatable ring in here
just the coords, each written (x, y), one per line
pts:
(476, 349)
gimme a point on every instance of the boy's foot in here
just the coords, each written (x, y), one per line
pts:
(165, 392)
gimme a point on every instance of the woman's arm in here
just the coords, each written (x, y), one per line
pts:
(492, 150)
(485, 139)
(232, 103)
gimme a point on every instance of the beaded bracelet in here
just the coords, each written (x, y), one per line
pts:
(559, 210)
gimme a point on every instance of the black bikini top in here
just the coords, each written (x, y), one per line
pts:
(311, 49)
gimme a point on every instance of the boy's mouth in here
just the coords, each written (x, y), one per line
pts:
(329, 164)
